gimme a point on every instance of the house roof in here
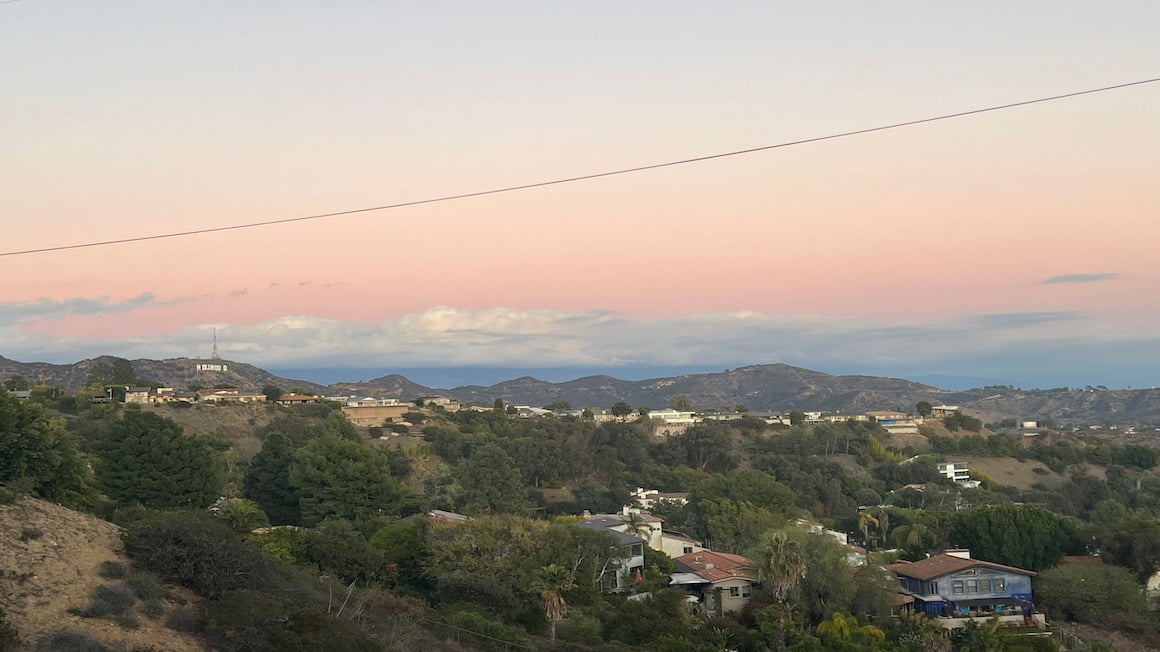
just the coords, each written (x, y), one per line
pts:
(944, 564)
(677, 536)
(606, 525)
(715, 566)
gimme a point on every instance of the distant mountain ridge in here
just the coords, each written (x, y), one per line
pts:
(772, 387)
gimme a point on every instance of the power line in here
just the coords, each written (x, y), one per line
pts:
(585, 177)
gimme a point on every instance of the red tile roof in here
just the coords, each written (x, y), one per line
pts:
(716, 566)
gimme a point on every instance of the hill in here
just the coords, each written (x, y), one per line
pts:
(174, 372)
(760, 387)
(50, 560)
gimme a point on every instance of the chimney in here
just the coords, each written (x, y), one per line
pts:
(708, 566)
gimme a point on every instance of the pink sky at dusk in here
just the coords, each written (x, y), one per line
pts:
(140, 118)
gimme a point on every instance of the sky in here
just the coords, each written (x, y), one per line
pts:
(1017, 245)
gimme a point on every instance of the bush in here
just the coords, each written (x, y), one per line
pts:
(145, 585)
(127, 621)
(70, 642)
(188, 620)
(111, 570)
(153, 608)
(9, 637)
(30, 534)
(198, 551)
(107, 600)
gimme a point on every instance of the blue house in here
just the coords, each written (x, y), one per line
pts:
(956, 588)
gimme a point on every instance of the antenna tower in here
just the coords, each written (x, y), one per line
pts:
(215, 355)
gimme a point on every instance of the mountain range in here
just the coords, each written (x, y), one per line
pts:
(774, 387)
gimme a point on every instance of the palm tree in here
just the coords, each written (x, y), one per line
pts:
(635, 525)
(781, 565)
(552, 582)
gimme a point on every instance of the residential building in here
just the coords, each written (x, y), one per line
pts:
(649, 498)
(941, 411)
(958, 473)
(376, 415)
(956, 589)
(675, 544)
(620, 573)
(296, 399)
(895, 423)
(138, 395)
(720, 581)
(447, 403)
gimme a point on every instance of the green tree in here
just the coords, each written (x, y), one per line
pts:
(845, 632)
(923, 408)
(620, 409)
(37, 451)
(635, 525)
(272, 392)
(797, 417)
(267, 481)
(491, 482)
(1109, 594)
(146, 458)
(551, 583)
(243, 515)
(1132, 542)
(680, 403)
(781, 566)
(1023, 536)
(346, 479)
(16, 384)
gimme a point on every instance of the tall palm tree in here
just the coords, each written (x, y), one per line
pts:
(635, 525)
(781, 566)
(552, 582)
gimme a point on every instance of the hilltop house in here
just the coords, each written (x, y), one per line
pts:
(958, 473)
(719, 580)
(955, 589)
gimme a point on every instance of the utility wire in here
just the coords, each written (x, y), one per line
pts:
(585, 177)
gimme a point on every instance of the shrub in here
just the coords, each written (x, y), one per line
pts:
(188, 620)
(107, 600)
(127, 621)
(145, 585)
(9, 637)
(111, 570)
(70, 642)
(30, 534)
(153, 608)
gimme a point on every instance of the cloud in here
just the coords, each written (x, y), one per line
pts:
(1018, 319)
(13, 312)
(1081, 278)
(234, 294)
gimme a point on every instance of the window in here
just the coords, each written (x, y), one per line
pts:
(746, 591)
(734, 592)
(1000, 583)
(984, 586)
(972, 586)
(957, 586)
(932, 589)
(687, 549)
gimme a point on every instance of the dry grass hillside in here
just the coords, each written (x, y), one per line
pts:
(50, 561)
(236, 423)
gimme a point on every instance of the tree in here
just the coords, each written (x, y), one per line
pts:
(635, 525)
(272, 392)
(797, 417)
(843, 631)
(680, 403)
(1023, 536)
(146, 458)
(1133, 542)
(620, 409)
(1109, 594)
(346, 479)
(16, 384)
(552, 582)
(491, 482)
(781, 566)
(923, 408)
(267, 481)
(38, 452)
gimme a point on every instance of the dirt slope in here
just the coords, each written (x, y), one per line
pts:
(43, 575)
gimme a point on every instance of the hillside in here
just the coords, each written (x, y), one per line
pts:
(175, 372)
(50, 558)
(775, 387)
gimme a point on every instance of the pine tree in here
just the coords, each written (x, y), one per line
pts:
(267, 481)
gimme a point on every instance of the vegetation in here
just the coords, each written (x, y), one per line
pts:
(352, 564)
